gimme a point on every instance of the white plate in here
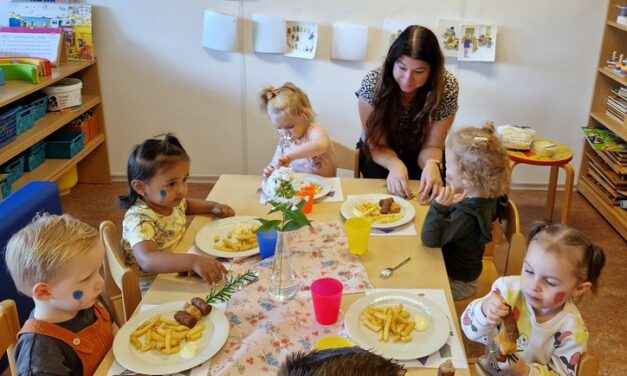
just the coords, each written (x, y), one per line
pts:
(155, 363)
(422, 344)
(324, 185)
(220, 227)
(348, 209)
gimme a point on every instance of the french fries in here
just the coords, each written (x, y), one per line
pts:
(391, 323)
(242, 238)
(372, 211)
(164, 335)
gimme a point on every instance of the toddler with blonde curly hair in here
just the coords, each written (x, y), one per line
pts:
(461, 216)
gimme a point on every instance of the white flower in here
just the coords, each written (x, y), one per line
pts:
(282, 185)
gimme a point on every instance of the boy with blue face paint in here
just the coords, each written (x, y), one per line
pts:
(56, 260)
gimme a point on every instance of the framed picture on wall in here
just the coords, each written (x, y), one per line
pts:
(477, 43)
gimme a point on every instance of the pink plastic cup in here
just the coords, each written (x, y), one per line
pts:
(327, 295)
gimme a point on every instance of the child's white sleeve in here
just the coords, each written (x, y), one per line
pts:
(568, 347)
(137, 228)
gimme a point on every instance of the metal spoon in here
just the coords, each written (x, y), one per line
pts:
(387, 272)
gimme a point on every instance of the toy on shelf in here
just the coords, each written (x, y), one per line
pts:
(44, 67)
(24, 72)
(611, 62)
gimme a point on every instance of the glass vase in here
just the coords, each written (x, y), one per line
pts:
(283, 282)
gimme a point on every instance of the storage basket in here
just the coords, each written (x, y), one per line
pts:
(82, 127)
(39, 106)
(5, 186)
(8, 130)
(35, 156)
(24, 120)
(64, 145)
(14, 168)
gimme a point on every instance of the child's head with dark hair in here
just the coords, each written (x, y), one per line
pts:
(157, 172)
(346, 361)
(561, 264)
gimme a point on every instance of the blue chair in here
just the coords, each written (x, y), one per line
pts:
(16, 211)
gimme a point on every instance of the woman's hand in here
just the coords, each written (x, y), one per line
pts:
(448, 197)
(398, 180)
(494, 308)
(430, 182)
(208, 269)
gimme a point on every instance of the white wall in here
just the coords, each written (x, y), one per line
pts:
(156, 76)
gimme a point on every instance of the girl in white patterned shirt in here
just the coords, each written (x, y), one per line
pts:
(157, 206)
(561, 264)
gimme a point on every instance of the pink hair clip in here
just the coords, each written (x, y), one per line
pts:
(272, 93)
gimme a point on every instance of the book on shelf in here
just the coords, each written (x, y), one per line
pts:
(604, 140)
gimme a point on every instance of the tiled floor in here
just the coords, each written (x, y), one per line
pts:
(607, 326)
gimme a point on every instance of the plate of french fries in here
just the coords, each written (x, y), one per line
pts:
(229, 237)
(371, 206)
(397, 325)
(153, 343)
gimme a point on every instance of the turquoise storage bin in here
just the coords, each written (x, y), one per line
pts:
(35, 156)
(8, 130)
(39, 106)
(5, 186)
(64, 145)
(24, 120)
(14, 168)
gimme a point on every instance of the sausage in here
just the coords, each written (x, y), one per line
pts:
(200, 303)
(192, 311)
(185, 318)
(446, 368)
(385, 205)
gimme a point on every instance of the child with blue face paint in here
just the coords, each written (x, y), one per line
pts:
(157, 206)
(56, 260)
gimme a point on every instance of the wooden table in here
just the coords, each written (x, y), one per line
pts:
(425, 270)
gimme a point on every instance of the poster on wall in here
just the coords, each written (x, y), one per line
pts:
(477, 43)
(448, 35)
(269, 35)
(350, 42)
(391, 30)
(302, 39)
(72, 18)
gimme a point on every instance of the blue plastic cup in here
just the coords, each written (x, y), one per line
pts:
(267, 243)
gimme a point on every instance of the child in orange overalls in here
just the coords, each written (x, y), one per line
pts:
(56, 260)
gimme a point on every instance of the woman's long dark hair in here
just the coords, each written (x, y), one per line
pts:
(147, 159)
(418, 43)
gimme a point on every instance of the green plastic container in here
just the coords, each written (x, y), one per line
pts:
(35, 156)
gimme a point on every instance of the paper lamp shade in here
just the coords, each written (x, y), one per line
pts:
(219, 31)
(349, 42)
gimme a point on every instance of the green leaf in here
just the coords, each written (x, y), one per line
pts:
(268, 224)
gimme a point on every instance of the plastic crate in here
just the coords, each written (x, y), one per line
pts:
(64, 145)
(80, 127)
(14, 168)
(5, 186)
(8, 130)
(24, 120)
(35, 156)
(39, 107)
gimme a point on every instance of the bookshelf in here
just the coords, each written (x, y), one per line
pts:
(603, 175)
(93, 161)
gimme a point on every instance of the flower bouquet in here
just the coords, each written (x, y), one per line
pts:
(282, 187)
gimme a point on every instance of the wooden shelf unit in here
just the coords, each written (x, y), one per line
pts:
(599, 172)
(93, 160)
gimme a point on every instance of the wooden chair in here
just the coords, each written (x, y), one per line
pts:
(121, 281)
(347, 158)
(9, 327)
(588, 365)
(514, 257)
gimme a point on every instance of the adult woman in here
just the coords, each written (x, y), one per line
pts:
(406, 108)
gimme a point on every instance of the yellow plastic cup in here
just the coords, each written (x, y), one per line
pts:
(358, 234)
(332, 342)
